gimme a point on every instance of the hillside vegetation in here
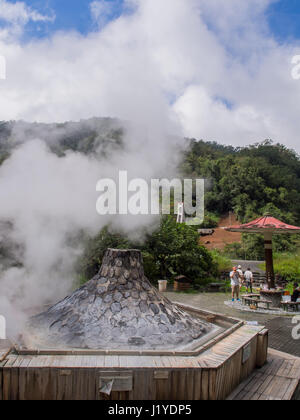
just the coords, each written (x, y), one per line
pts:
(249, 181)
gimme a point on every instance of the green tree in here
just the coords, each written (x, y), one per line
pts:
(175, 247)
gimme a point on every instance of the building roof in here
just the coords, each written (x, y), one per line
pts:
(263, 224)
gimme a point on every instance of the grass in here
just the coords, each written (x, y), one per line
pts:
(288, 266)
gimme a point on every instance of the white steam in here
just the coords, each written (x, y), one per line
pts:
(48, 202)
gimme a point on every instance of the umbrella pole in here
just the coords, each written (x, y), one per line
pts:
(269, 260)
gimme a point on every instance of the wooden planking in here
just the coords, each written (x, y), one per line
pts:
(277, 380)
(175, 380)
(212, 375)
(220, 353)
(197, 384)
(143, 385)
(25, 381)
(162, 388)
(214, 357)
(5, 348)
(262, 348)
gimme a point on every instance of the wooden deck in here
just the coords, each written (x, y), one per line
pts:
(214, 357)
(5, 348)
(279, 379)
(211, 375)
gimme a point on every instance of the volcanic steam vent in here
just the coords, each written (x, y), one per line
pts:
(117, 309)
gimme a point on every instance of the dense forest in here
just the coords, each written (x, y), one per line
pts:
(250, 181)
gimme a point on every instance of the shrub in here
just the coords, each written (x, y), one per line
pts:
(287, 266)
(176, 250)
(173, 249)
(221, 262)
(90, 263)
(151, 267)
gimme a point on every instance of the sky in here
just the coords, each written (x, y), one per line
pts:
(220, 70)
(283, 17)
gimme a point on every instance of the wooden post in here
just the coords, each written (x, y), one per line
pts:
(262, 348)
(269, 260)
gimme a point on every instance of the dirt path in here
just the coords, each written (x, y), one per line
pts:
(221, 237)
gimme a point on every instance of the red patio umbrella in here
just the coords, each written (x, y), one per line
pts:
(268, 226)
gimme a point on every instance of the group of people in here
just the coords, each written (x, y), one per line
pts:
(238, 279)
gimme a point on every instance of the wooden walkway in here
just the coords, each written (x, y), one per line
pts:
(279, 379)
(211, 375)
(5, 348)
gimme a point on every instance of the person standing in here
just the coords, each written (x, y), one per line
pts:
(248, 275)
(296, 293)
(235, 278)
(240, 271)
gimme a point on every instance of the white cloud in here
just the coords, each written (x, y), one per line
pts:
(101, 10)
(20, 13)
(165, 61)
(17, 15)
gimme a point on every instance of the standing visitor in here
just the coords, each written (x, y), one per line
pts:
(248, 275)
(296, 293)
(240, 271)
(235, 278)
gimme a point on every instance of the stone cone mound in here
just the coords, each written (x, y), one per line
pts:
(117, 309)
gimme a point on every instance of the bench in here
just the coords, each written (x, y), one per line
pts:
(216, 286)
(247, 298)
(295, 306)
(255, 301)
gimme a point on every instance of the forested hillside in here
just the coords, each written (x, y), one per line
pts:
(96, 135)
(249, 181)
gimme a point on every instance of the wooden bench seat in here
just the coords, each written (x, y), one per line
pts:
(216, 286)
(294, 306)
(256, 301)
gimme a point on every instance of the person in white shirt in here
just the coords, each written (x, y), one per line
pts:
(240, 271)
(235, 278)
(248, 276)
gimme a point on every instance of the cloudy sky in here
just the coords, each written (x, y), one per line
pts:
(218, 69)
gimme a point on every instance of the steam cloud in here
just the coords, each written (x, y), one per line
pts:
(48, 201)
